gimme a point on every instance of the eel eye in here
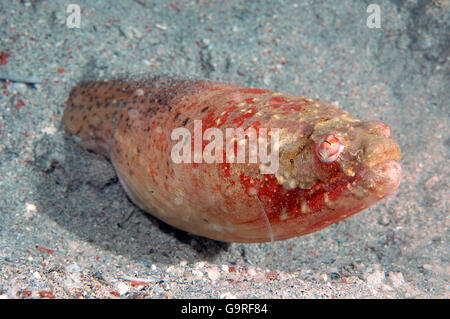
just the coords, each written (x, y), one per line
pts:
(329, 148)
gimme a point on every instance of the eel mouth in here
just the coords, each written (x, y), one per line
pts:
(382, 179)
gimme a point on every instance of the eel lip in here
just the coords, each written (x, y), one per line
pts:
(384, 178)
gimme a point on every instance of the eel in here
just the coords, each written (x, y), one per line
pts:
(230, 163)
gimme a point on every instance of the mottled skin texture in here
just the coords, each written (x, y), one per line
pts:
(130, 120)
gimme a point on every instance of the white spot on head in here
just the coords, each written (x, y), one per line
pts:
(178, 200)
(349, 171)
(283, 215)
(304, 207)
(292, 183)
(326, 198)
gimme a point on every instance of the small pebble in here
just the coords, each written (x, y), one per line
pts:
(396, 278)
(183, 263)
(213, 274)
(227, 295)
(251, 271)
(122, 288)
(375, 279)
(199, 265)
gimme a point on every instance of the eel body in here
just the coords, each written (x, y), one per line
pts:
(313, 165)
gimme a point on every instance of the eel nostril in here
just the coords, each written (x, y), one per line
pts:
(385, 130)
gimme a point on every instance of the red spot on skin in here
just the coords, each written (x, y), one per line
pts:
(226, 171)
(114, 293)
(256, 126)
(316, 200)
(231, 269)
(61, 70)
(270, 193)
(224, 116)
(208, 121)
(291, 108)
(241, 119)
(250, 101)
(211, 121)
(45, 250)
(254, 91)
(4, 57)
(153, 173)
(46, 294)
(26, 293)
(278, 99)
